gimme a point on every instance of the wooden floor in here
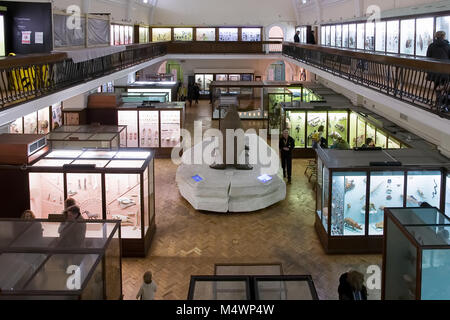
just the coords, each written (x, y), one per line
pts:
(188, 242)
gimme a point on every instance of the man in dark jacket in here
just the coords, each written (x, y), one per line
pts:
(286, 145)
(439, 49)
(310, 39)
(297, 37)
(351, 286)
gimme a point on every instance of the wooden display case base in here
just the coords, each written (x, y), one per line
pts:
(138, 247)
(304, 153)
(348, 245)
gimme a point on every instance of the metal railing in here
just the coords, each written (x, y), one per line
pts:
(424, 83)
(33, 76)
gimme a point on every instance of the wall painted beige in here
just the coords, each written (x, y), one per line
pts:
(219, 12)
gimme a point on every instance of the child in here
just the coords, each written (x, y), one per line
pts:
(148, 288)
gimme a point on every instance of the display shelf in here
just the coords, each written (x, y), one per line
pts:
(416, 255)
(354, 191)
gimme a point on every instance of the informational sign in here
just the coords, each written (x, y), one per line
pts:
(26, 37)
(264, 178)
(197, 178)
(39, 37)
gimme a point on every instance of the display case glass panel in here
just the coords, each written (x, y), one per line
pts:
(353, 127)
(423, 186)
(352, 36)
(295, 123)
(386, 190)
(161, 34)
(98, 154)
(182, 34)
(424, 35)
(251, 34)
(57, 117)
(401, 259)
(30, 123)
(345, 36)
(127, 36)
(170, 128)
(122, 34)
(221, 77)
(393, 144)
(132, 155)
(86, 189)
(435, 264)
(228, 34)
(328, 35)
(323, 36)
(123, 202)
(447, 196)
(333, 36)
(206, 34)
(337, 126)
(339, 35)
(46, 193)
(116, 35)
(144, 34)
(348, 204)
(361, 135)
(64, 154)
(44, 121)
(51, 163)
(130, 164)
(129, 119)
(369, 43)
(16, 126)
(408, 29)
(97, 163)
(319, 188)
(380, 41)
(392, 40)
(381, 139)
(314, 121)
(325, 197)
(360, 36)
(443, 24)
(149, 129)
(370, 132)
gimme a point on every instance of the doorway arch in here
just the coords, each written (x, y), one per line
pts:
(276, 33)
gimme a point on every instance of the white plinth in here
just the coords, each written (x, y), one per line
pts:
(229, 190)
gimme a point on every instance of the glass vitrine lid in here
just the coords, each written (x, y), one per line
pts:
(16, 269)
(134, 164)
(57, 135)
(103, 136)
(97, 163)
(52, 163)
(64, 154)
(132, 155)
(419, 216)
(431, 235)
(98, 154)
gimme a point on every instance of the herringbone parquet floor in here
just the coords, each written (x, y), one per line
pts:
(188, 242)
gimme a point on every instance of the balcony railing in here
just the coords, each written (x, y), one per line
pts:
(423, 83)
(33, 76)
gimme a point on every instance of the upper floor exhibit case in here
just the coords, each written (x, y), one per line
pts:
(109, 184)
(416, 256)
(41, 259)
(354, 187)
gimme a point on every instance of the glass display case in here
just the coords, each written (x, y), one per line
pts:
(359, 191)
(57, 116)
(416, 256)
(88, 136)
(380, 41)
(251, 34)
(443, 24)
(424, 35)
(39, 260)
(277, 96)
(360, 39)
(144, 34)
(204, 81)
(183, 34)
(345, 43)
(408, 30)
(206, 34)
(30, 123)
(392, 36)
(333, 36)
(156, 127)
(323, 36)
(339, 35)
(161, 34)
(106, 184)
(369, 43)
(352, 36)
(328, 35)
(337, 126)
(314, 119)
(447, 193)
(228, 34)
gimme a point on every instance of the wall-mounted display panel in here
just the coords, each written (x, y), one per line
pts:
(149, 129)
(369, 43)
(161, 34)
(129, 119)
(328, 35)
(339, 35)
(345, 43)
(423, 186)
(392, 36)
(30, 123)
(443, 24)
(183, 34)
(323, 36)
(352, 36)
(144, 34)
(204, 81)
(380, 41)
(228, 34)
(408, 29)
(251, 34)
(424, 35)
(206, 34)
(333, 36)
(360, 39)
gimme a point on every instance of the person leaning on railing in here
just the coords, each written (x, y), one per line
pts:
(439, 49)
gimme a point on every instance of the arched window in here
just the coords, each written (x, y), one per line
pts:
(276, 34)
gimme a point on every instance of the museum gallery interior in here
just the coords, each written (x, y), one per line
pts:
(225, 150)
